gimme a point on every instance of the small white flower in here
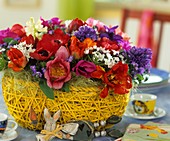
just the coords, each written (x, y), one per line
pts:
(98, 56)
(90, 48)
(98, 49)
(103, 50)
(121, 57)
(95, 47)
(116, 59)
(86, 51)
(115, 52)
(136, 82)
(2, 49)
(101, 57)
(25, 49)
(106, 61)
(109, 62)
(109, 56)
(95, 54)
(67, 22)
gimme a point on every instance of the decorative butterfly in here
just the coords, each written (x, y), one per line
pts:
(33, 116)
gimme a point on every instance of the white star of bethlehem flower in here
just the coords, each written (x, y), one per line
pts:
(117, 59)
(110, 61)
(115, 52)
(95, 47)
(2, 49)
(35, 29)
(97, 55)
(86, 51)
(26, 49)
(106, 61)
(122, 58)
(109, 58)
(67, 22)
(111, 64)
(104, 50)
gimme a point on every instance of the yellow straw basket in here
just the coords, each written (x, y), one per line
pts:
(81, 103)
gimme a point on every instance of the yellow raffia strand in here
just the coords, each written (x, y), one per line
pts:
(20, 93)
(57, 133)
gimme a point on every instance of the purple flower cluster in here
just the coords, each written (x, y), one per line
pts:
(36, 73)
(126, 45)
(51, 23)
(138, 60)
(110, 33)
(86, 32)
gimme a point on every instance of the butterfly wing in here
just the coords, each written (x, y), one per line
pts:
(70, 128)
(33, 116)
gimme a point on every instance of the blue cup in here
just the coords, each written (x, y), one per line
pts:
(5, 122)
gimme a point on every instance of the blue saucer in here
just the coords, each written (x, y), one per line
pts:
(163, 74)
(158, 78)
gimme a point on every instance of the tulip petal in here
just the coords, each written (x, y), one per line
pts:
(62, 53)
(104, 92)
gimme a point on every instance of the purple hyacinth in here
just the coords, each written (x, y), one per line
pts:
(126, 45)
(36, 73)
(110, 33)
(43, 70)
(85, 32)
(70, 59)
(138, 60)
(51, 32)
(4, 45)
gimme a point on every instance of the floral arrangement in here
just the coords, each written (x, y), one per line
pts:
(55, 51)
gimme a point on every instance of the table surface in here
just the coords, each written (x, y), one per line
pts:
(163, 101)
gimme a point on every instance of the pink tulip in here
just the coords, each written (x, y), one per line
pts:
(58, 70)
(84, 68)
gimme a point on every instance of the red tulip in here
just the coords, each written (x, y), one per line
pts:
(75, 24)
(17, 60)
(49, 44)
(18, 29)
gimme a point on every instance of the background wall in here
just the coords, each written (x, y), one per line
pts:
(13, 14)
(71, 9)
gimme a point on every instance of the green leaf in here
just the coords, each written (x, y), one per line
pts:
(140, 77)
(13, 42)
(65, 87)
(3, 63)
(47, 90)
(10, 41)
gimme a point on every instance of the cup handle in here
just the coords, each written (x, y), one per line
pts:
(13, 127)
